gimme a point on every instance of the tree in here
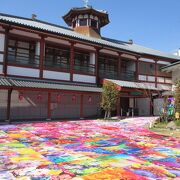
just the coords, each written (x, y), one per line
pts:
(177, 97)
(109, 98)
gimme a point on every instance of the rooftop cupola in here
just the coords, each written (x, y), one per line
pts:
(87, 20)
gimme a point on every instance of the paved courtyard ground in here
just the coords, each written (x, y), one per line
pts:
(87, 150)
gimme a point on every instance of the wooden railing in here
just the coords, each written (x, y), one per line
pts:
(57, 66)
(125, 75)
(88, 69)
(23, 59)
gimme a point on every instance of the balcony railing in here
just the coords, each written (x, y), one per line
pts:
(23, 59)
(128, 75)
(88, 69)
(56, 66)
(125, 75)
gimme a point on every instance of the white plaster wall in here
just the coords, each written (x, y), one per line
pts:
(59, 41)
(150, 84)
(164, 87)
(1, 69)
(84, 78)
(85, 47)
(158, 105)
(146, 60)
(176, 75)
(143, 105)
(56, 75)
(151, 78)
(109, 52)
(168, 80)
(23, 33)
(160, 79)
(2, 38)
(92, 58)
(142, 78)
(18, 71)
(37, 48)
(128, 56)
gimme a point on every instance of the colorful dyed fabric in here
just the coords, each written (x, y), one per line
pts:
(87, 150)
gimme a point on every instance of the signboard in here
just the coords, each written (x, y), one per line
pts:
(136, 93)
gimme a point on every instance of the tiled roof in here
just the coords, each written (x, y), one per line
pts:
(40, 84)
(4, 82)
(171, 67)
(51, 28)
(137, 85)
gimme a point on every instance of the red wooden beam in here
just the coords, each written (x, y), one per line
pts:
(6, 41)
(71, 61)
(118, 107)
(156, 73)
(97, 65)
(137, 69)
(119, 65)
(42, 52)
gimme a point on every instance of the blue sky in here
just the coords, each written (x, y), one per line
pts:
(152, 23)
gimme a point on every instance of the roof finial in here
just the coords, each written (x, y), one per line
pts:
(86, 3)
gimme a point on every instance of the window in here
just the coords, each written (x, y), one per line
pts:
(83, 22)
(56, 57)
(82, 63)
(108, 66)
(74, 24)
(22, 52)
(93, 23)
(147, 68)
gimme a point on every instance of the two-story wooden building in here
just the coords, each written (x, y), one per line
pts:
(52, 72)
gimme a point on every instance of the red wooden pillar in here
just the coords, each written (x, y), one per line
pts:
(82, 107)
(156, 73)
(151, 105)
(71, 61)
(119, 66)
(118, 107)
(42, 52)
(6, 42)
(9, 106)
(137, 69)
(49, 105)
(97, 66)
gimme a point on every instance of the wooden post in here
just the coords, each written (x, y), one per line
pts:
(97, 66)
(81, 107)
(119, 66)
(42, 55)
(137, 69)
(118, 107)
(6, 42)
(151, 105)
(9, 106)
(71, 61)
(49, 106)
(156, 73)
